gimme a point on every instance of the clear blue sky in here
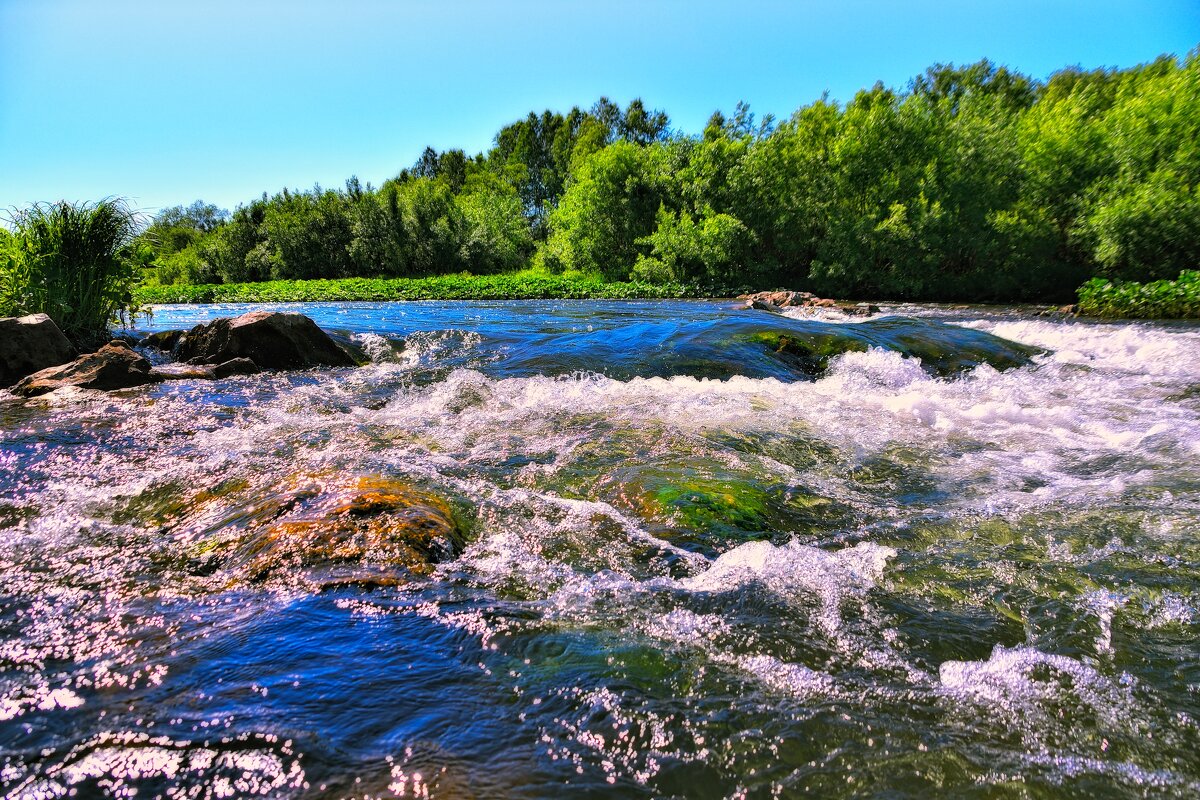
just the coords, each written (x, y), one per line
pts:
(165, 102)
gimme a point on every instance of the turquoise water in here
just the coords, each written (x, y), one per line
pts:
(694, 563)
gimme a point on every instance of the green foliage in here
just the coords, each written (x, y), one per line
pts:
(603, 219)
(1177, 299)
(714, 246)
(973, 183)
(513, 286)
(73, 262)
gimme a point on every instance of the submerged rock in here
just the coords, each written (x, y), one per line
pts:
(944, 350)
(365, 529)
(114, 366)
(709, 507)
(272, 340)
(29, 344)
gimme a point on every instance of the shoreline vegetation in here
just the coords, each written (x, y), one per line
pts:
(1177, 299)
(513, 286)
(972, 184)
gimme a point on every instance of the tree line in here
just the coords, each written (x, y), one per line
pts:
(971, 183)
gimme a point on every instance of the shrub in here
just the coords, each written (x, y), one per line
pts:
(1177, 299)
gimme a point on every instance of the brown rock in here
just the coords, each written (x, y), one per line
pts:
(763, 305)
(114, 366)
(338, 529)
(163, 340)
(270, 339)
(29, 344)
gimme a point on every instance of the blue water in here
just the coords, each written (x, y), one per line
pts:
(693, 565)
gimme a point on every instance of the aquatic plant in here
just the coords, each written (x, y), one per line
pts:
(1177, 299)
(70, 261)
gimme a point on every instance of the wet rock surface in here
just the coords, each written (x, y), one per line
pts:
(179, 372)
(944, 350)
(333, 529)
(30, 344)
(114, 366)
(162, 340)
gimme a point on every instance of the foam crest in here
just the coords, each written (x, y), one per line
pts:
(1026, 682)
(793, 569)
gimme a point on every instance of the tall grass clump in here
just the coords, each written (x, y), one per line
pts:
(71, 261)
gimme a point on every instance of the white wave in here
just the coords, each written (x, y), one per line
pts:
(794, 568)
(1024, 682)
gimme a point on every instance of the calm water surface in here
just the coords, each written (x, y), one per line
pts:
(694, 567)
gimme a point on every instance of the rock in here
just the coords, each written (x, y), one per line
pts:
(776, 301)
(334, 529)
(163, 340)
(782, 299)
(188, 371)
(763, 305)
(235, 366)
(182, 372)
(29, 344)
(858, 309)
(114, 366)
(272, 340)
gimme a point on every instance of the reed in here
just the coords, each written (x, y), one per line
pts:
(70, 261)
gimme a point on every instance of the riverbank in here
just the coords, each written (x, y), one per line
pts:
(510, 286)
(1160, 300)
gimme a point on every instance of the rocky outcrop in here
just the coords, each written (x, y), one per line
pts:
(272, 340)
(114, 366)
(776, 301)
(29, 344)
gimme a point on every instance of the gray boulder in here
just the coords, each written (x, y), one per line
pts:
(29, 344)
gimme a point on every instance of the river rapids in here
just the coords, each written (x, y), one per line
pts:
(957, 558)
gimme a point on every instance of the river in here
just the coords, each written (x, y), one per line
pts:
(692, 564)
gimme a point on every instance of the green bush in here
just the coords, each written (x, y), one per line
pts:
(1177, 299)
(72, 262)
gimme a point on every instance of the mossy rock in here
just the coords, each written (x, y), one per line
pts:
(944, 350)
(712, 506)
(322, 528)
(810, 352)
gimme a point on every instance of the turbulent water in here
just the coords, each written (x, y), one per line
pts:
(694, 566)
